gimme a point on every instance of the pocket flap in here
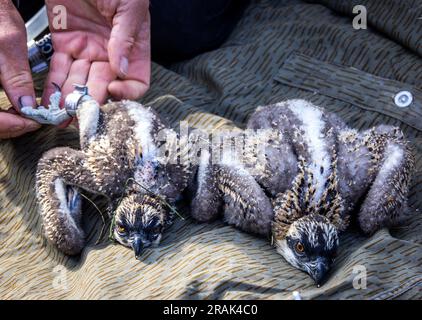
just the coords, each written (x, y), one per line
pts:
(353, 86)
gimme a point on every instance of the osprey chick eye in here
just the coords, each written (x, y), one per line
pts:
(300, 248)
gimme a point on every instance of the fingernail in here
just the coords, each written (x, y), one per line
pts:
(26, 101)
(124, 66)
(33, 126)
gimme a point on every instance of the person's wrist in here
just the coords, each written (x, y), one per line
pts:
(6, 5)
(10, 17)
(15, 75)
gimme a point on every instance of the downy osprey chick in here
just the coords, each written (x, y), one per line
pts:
(119, 160)
(317, 173)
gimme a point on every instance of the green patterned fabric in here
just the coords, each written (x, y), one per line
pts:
(281, 49)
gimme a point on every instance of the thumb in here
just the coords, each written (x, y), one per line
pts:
(15, 74)
(13, 125)
(18, 85)
(124, 33)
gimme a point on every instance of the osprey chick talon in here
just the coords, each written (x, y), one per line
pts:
(52, 115)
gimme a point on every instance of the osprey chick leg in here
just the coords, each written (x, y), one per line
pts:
(386, 202)
(59, 174)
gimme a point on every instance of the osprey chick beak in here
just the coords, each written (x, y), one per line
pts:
(137, 246)
(321, 269)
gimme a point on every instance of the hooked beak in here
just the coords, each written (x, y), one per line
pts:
(137, 246)
(320, 271)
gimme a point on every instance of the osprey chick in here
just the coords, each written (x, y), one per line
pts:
(119, 160)
(317, 172)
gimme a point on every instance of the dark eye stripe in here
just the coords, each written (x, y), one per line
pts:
(154, 222)
(123, 220)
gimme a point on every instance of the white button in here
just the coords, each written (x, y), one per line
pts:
(403, 99)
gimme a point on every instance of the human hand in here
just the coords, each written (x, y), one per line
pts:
(106, 46)
(15, 75)
(13, 125)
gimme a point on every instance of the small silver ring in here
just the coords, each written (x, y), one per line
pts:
(73, 99)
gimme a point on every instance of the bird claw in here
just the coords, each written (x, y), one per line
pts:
(55, 100)
(46, 116)
(52, 115)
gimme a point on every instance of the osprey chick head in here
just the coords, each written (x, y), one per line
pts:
(310, 245)
(139, 222)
